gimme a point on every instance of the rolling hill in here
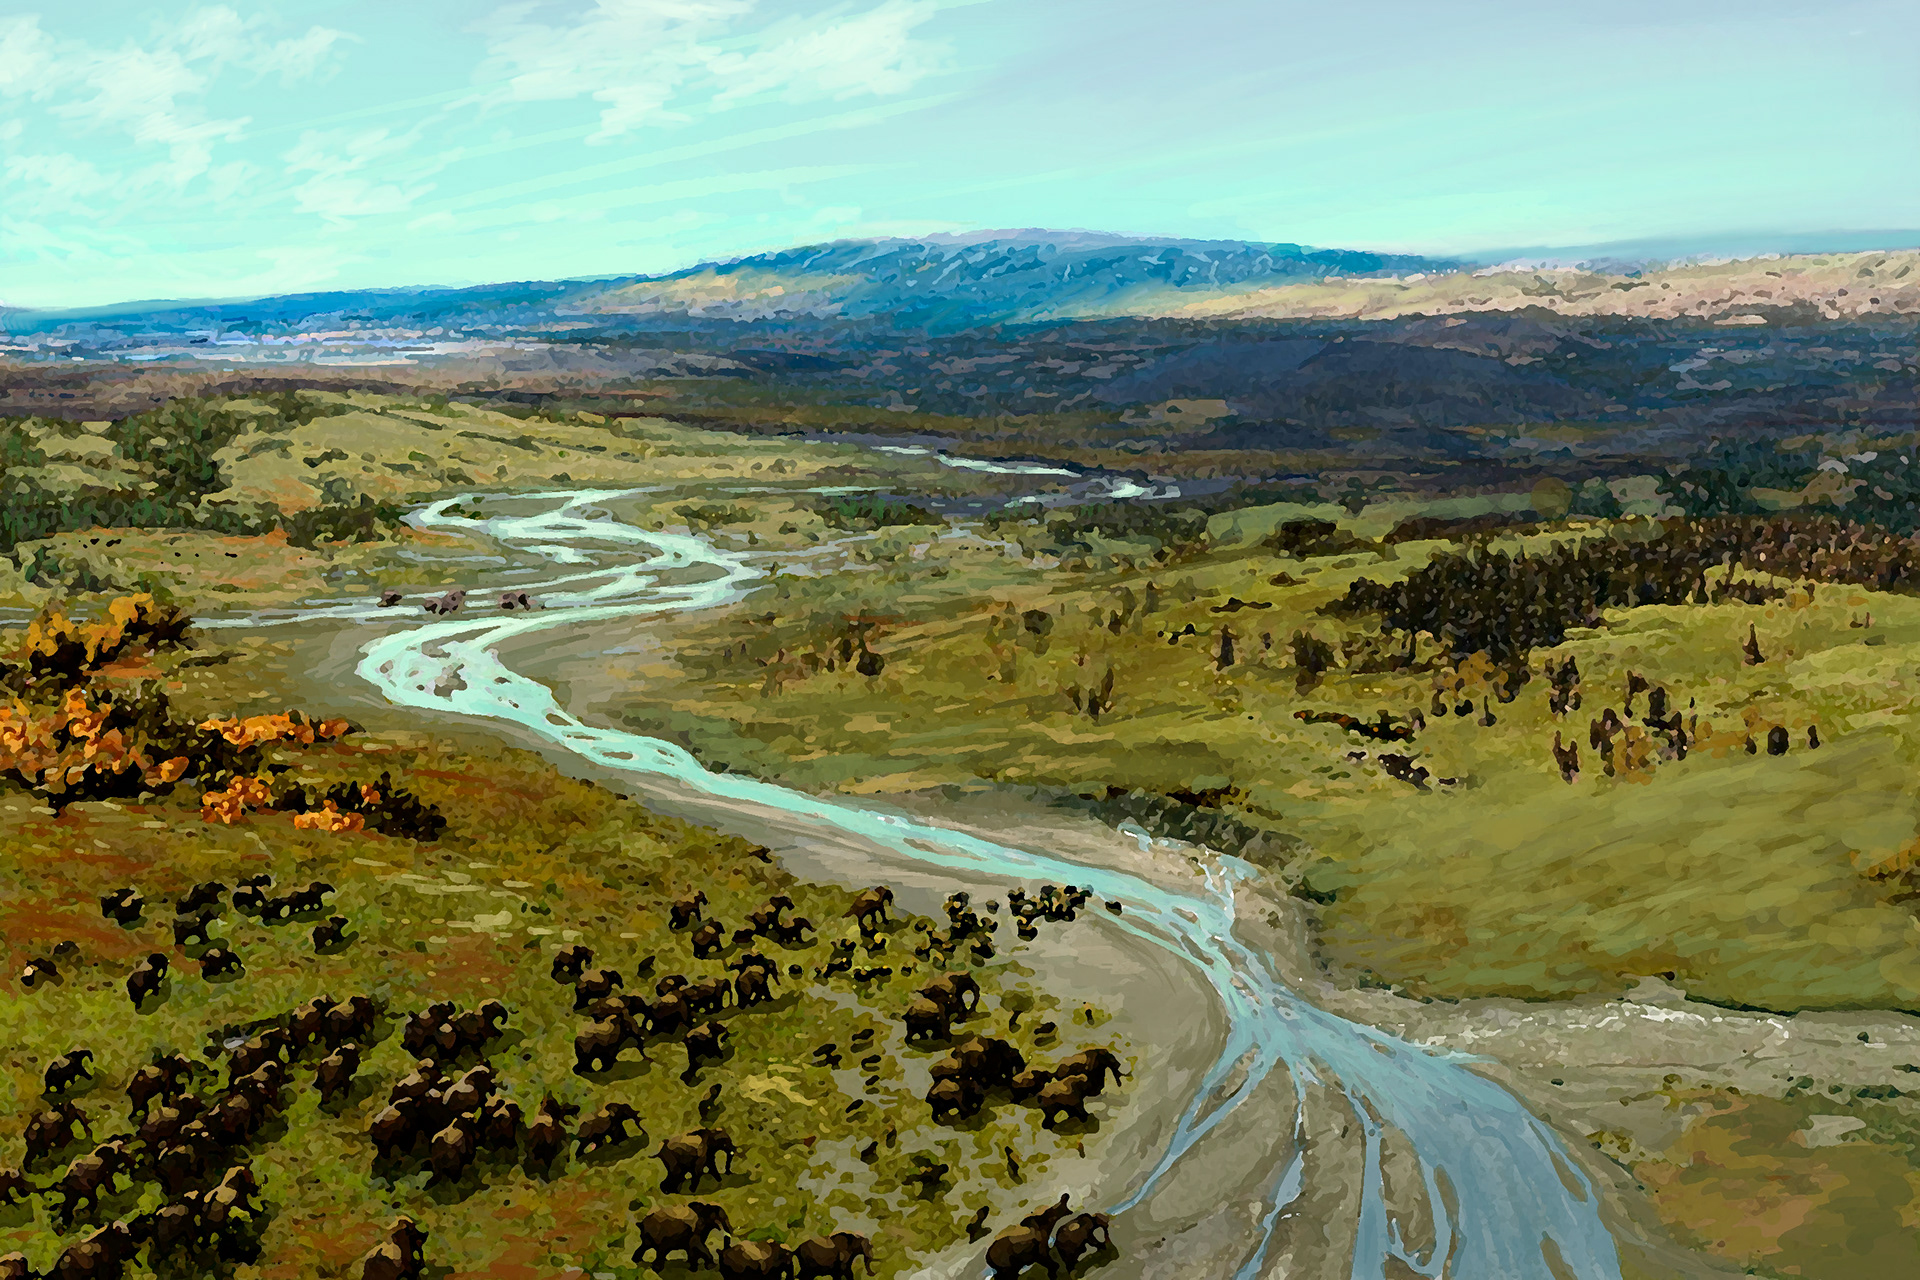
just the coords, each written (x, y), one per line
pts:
(956, 283)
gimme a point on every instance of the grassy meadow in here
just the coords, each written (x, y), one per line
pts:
(254, 502)
(1778, 882)
(528, 861)
(1156, 667)
(1782, 1186)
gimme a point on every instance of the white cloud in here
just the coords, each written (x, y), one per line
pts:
(62, 182)
(338, 189)
(24, 50)
(153, 92)
(651, 62)
(870, 53)
(299, 58)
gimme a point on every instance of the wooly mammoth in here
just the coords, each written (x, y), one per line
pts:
(681, 1229)
(957, 991)
(608, 1126)
(67, 1068)
(1094, 1064)
(693, 1154)
(1065, 1095)
(755, 1260)
(926, 1019)
(832, 1256)
(400, 1256)
(1078, 1234)
(1017, 1248)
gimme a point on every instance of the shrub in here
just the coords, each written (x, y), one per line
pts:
(872, 511)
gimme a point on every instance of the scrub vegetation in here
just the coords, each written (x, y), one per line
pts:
(249, 863)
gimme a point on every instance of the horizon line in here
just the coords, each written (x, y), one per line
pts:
(1536, 257)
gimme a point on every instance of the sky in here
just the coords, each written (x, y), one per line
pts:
(231, 150)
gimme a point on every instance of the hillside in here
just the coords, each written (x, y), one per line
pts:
(956, 283)
(1823, 286)
(948, 282)
(996, 277)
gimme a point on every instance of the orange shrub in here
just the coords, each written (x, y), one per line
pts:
(72, 749)
(57, 644)
(231, 805)
(329, 818)
(254, 730)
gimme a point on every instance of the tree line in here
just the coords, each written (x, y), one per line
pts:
(174, 450)
(1506, 604)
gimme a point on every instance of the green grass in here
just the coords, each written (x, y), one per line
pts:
(1750, 1180)
(531, 860)
(1744, 876)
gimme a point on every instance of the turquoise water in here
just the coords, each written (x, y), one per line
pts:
(1513, 1187)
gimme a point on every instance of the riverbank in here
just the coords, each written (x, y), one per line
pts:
(1306, 1173)
(1241, 1078)
(1154, 1001)
(1650, 1068)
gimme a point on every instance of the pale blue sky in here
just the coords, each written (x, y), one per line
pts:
(178, 150)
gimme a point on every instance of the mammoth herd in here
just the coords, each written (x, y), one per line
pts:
(682, 1006)
(975, 1065)
(1624, 746)
(1039, 1237)
(451, 601)
(195, 914)
(686, 1229)
(197, 1148)
(194, 1125)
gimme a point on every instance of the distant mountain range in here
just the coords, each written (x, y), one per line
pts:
(965, 281)
(950, 284)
